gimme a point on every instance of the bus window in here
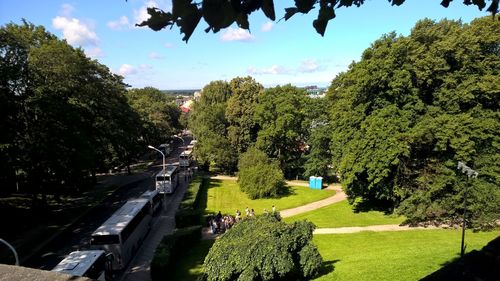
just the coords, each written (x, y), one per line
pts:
(104, 239)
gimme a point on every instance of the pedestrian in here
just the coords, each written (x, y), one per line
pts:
(238, 215)
(247, 212)
(274, 209)
(252, 213)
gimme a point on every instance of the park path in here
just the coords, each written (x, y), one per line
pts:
(339, 196)
(377, 228)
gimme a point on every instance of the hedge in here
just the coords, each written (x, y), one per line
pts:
(169, 249)
(189, 212)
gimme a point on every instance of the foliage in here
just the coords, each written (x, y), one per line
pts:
(219, 14)
(159, 114)
(264, 248)
(242, 130)
(208, 123)
(281, 115)
(262, 178)
(189, 212)
(393, 255)
(170, 248)
(413, 107)
(64, 116)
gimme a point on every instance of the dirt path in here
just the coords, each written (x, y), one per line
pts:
(377, 228)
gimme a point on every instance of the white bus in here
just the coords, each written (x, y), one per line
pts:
(122, 234)
(165, 148)
(92, 264)
(185, 158)
(155, 199)
(166, 182)
(191, 145)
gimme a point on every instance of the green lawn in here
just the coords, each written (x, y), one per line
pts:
(342, 214)
(225, 196)
(189, 265)
(405, 255)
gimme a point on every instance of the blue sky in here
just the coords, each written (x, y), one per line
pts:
(273, 53)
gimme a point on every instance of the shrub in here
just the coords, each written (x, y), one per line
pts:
(189, 212)
(170, 247)
(264, 248)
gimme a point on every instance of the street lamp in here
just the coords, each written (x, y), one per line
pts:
(162, 154)
(470, 174)
(12, 249)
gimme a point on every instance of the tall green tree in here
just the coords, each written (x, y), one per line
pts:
(412, 108)
(208, 123)
(159, 114)
(242, 130)
(280, 114)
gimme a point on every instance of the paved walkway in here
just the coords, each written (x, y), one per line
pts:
(386, 227)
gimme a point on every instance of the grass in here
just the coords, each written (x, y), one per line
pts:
(342, 214)
(405, 255)
(225, 196)
(189, 265)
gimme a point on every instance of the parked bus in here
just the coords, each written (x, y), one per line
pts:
(185, 158)
(122, 234)
(155, 199)
(166, 182)
(92, 264)
(191, 145)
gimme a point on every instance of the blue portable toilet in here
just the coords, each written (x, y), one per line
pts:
(312, 182)
(319, 182)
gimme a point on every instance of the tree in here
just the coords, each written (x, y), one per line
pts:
(264, 248)
(158, 113)
(258, 176)
(280, 114)
(208, 123)
(219, 14)
(413, 107)
(242, 130)
(65, 115)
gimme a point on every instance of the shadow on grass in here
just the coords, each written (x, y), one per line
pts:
(326, 267)
(366, 205)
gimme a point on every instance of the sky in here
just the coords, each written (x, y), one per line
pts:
(274, 53)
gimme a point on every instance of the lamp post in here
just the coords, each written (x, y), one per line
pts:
(12, 249)
(470, 174)
(162, 154)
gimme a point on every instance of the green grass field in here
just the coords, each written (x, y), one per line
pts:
(225, 196)
(405, 255)
(342, 214)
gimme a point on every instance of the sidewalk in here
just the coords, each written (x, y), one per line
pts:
(376, 228)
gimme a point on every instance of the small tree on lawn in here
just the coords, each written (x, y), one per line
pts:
(259, 176)
(264, 248)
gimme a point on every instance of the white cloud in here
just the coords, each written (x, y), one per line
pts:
(126, 70)
(275, 69)
(141, 14)
(66, 10)
(75, 32)
(144, 67)
(155, 56)
(233, 34)
(309, 66)
(266, 27)
(169, 45)
(94, 53)
(121, 23)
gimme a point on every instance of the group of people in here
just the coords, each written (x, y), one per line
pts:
(220, 223)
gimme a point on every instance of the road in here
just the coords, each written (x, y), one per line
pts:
(77, 237)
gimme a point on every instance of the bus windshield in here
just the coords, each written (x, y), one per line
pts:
(161, 178)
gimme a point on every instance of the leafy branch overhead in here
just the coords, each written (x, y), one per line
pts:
(219, 14)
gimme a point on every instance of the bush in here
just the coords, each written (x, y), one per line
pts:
(264, 248)
(187, 217)
(169, 249)
(262, 180)
(189, 212)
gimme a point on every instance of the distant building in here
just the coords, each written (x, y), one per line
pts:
(186, 106)
(315, 92)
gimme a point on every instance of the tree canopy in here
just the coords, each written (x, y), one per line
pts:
(264, 248)
(413, 107)
(219, 14)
